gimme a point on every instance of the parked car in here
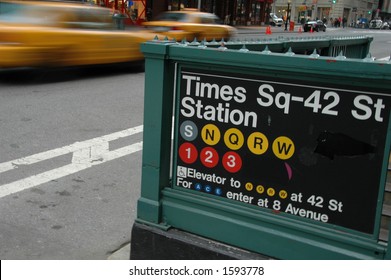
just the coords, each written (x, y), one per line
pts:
(190, 24)
(275, 20)
(43, 34)
(317, 26)
(378, 24)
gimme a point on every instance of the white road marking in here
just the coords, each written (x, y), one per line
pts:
(387, 58)
(5, 166)
(85, 155)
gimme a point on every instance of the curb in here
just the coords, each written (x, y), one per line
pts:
(122, 253)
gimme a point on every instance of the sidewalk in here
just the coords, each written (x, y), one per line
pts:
(255, 29)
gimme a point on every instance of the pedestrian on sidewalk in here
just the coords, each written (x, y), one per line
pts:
(344, 20)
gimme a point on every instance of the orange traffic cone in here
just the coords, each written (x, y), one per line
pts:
(268, 30)
(312, 30)
(300, 31)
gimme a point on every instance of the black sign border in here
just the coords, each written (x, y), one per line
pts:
(274, 77)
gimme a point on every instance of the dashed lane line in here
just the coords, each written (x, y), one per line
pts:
(387, 58)
(84, 155)
(13, 164)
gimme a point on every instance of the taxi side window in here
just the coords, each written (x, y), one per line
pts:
(6, 8)
(21, 13)
(56, 16)
(87, 19)
(209, 19)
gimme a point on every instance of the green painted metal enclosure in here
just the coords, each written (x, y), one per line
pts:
(350, 46)
(278, 153)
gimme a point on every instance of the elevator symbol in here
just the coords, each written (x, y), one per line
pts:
(182, 171)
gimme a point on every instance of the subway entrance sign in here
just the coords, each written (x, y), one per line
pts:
(311, 150)
(279, 154)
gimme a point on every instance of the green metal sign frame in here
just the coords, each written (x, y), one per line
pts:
(164, 204)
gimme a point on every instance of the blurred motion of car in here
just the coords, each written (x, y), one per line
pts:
(378, 24)
(55, 34)
(317, 26)
(362, 23)
(275, 20)
(190, 24)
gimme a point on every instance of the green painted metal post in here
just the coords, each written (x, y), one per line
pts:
(157, 131)
(388, 253)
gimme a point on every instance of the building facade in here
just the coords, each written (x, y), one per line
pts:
(350, 10)
(256, 12)
(385, 9)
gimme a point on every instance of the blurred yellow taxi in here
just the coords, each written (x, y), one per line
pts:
(44, 34)
(190, 24)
